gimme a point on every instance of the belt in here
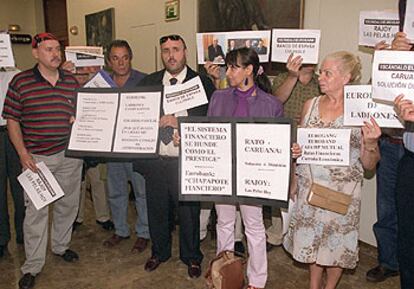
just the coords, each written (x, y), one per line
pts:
(392, 140)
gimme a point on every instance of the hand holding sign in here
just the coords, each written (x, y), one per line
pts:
(371, 132)
(404, 108)
(294, 63)
(401, 42)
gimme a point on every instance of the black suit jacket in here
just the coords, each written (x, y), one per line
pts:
(156, 79)
(214, 52)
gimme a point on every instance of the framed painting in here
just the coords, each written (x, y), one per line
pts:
(100, 28)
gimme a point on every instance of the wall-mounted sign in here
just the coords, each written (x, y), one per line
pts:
(20, 38)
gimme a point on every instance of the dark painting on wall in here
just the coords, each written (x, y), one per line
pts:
(231, 15)
(100, 28)
(238, 15)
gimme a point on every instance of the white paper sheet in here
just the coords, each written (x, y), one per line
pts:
(95, 120)
(392, 74)
(184, 96)
(359, 107)
(6, 52)
(409, 20)
(375, 26)
(41, 187)
(324, 146)
(303, 42)
(263, 160)
(206, 159)
(137, 123)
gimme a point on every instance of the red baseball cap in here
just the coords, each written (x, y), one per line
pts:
(42, 37)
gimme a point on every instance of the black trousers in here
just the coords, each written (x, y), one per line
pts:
(405, 211)
(161, 183)
(9, 170)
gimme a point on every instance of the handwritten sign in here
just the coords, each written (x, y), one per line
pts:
(359, 107)
(301, 42)
(324, 146)
(392, 74)
(375, 26)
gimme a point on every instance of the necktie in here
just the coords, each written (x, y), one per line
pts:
(166, 133)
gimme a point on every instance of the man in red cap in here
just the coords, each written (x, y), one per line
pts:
(39, 106)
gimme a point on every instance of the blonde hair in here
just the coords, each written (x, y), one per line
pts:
(349, 64)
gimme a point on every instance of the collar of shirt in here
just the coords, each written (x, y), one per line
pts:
(180, 77)
(39, 76)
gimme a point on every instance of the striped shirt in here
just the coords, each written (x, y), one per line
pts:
(42, 110)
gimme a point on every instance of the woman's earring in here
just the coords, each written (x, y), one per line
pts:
(246, 82)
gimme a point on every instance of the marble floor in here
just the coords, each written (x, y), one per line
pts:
(103, 268)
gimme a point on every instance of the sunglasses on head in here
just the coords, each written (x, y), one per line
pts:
(173, 37)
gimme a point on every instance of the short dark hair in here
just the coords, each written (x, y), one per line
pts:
(118, 43)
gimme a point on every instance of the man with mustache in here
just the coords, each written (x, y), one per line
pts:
(161, 174)
(39, 108)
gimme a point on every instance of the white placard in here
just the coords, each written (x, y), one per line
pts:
(303, 42)
(409, 20)
(82, 56)
(206, 158)
(41, 187)
(392, 74)
(214, 46)
(137, 124)
(359, 107)
(324, 146)
(375, 26)
(184, 96)
(263, 160)
(100, 80)
(6, 52)
(95, 120)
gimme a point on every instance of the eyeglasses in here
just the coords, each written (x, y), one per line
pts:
(173, 37)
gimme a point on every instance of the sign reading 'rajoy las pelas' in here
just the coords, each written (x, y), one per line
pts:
(392, 74)
(375, 26)
(324, 146)
(297, 41)
(359, 107)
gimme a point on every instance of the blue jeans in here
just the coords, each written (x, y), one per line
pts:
(118, 176)
(385, 229)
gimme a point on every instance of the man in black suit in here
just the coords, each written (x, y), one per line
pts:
(215, 52)
(161, 174)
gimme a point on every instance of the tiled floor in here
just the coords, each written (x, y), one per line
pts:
(103, 268)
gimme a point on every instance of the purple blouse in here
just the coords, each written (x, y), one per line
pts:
(224, 102)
